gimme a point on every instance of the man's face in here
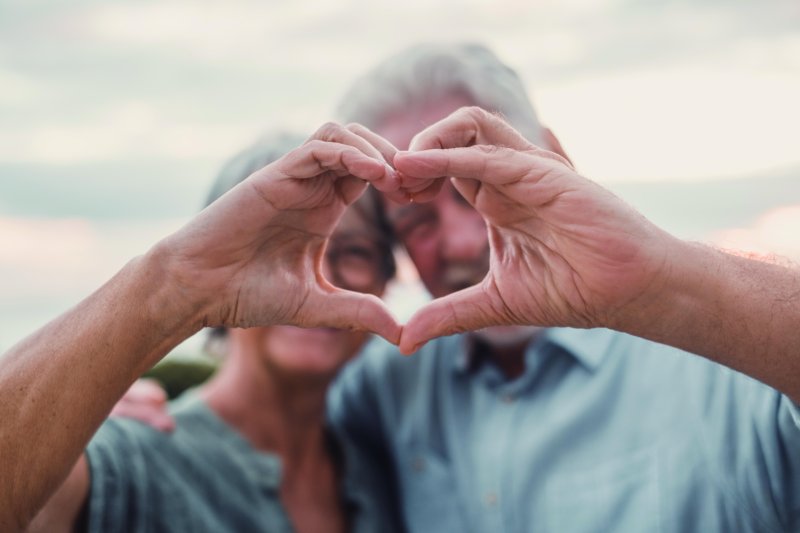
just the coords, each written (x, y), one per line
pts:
(446, 238)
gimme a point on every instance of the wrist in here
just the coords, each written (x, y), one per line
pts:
(681, 290)
(171, 305)
(669, 271)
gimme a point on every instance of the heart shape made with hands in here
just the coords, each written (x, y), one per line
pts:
(562, 250)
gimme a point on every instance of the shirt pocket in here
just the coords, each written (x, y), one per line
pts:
(619, 494)
(428, 493)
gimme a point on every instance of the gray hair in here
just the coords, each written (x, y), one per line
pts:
(427, 72)
(268, 148)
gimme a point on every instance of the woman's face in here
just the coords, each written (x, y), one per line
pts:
(353, 261)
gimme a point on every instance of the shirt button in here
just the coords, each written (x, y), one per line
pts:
(507, 398)
(490, 499)
(418, 464)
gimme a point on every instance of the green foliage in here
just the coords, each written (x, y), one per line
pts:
(178, 375)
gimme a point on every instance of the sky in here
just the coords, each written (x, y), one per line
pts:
(115, 116)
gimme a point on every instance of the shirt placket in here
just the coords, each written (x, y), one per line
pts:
(490, 448)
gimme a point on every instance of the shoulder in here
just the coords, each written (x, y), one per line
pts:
(380, 370)
(197, 475)
(711, 390)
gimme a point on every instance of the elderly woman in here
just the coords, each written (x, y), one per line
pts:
(250, 450)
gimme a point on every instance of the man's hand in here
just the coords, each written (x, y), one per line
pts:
(254, 257)
(564, 251)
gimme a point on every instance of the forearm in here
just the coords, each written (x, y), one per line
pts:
(740, 312)
(57, 386)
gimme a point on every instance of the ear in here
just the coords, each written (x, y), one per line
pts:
(554, 145)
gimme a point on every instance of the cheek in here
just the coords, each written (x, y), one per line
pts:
(355, 341)
(277, 340)
(474, 222)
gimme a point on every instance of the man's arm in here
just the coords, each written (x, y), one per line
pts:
(252, 258)
(738, 311)
(566, 252)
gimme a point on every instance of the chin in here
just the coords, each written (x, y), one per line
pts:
(316, 352)
(507, 336)
(322, 359)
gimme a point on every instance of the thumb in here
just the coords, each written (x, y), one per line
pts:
(352, 310)
(466, 310)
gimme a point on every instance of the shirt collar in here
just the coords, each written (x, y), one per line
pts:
(587, 346)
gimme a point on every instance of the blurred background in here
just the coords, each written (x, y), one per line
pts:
(116, 115)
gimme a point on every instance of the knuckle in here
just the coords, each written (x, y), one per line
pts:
(475, 113)
(314, 145)
(357, 128)
(499, 118)
(329, 131)
(490, 149)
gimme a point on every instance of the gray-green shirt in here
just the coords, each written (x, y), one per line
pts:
(203, 476)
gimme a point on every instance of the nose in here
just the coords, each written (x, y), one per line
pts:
(463, 233)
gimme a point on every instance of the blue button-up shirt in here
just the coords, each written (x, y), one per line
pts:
(602, 432)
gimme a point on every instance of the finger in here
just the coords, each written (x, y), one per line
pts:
(414, 185)
(354, 311)
(401, 196)
(465, 310)
(466, 127)
(361, 138)
(153, 415)
(386, 148)
(489, 164)
(420, 189)
(146, 390)
(335, 133)
(428, 193)
(467, 188)
(317, 157)
(350, 188)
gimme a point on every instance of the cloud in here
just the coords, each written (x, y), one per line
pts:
(18, 89)
(62, 254)
(49, 265)
(678, 123)
(130, 129)
(774, 232)
(204, 30)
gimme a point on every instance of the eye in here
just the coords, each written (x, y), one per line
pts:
(357, 252)
(356, 264)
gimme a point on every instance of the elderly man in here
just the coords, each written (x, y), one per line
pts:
(519, 428)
